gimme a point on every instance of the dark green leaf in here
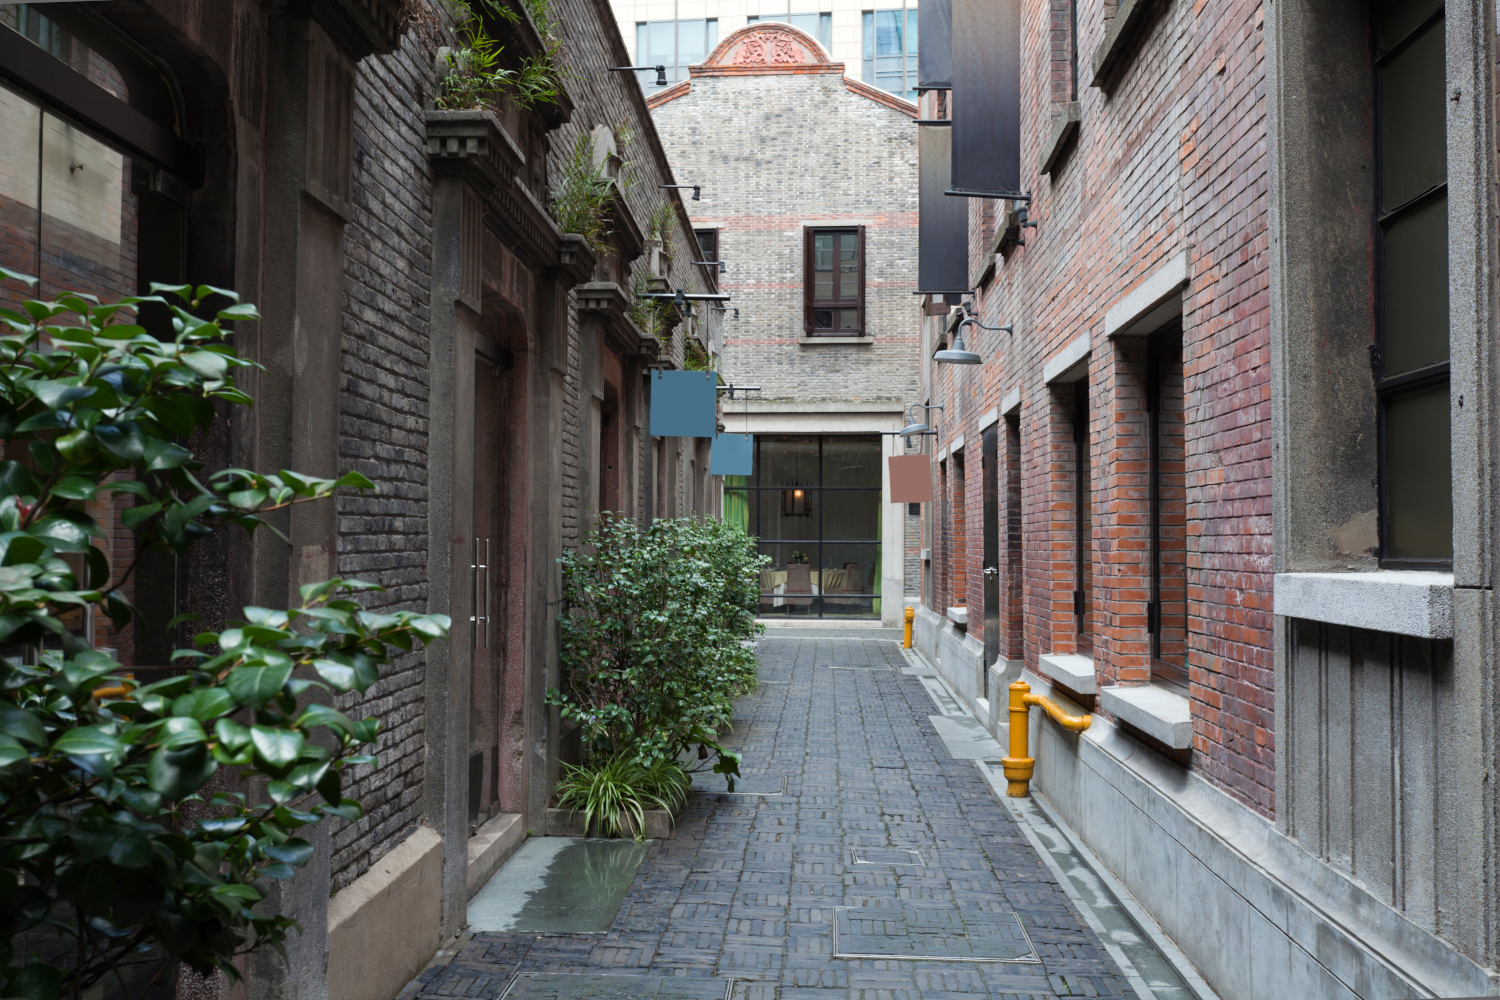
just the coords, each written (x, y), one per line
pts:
(124, 440)
(64, 534)
(179, 773)
(277, 747)
(254, 686)
(296, 852)
(23, 725)
(131, 848)
(75, 488)
(16, 479)
(164, 455)
(204, 704)
(36, 981)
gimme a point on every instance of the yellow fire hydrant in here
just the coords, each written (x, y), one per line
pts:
(911, 615)
(1019, 764)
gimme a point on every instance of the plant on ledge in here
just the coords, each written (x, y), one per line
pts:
(111, 860)
(653, 641)
(583, 196)
(474, 79)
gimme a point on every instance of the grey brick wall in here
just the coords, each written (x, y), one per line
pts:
(773, 152)
(383, 426)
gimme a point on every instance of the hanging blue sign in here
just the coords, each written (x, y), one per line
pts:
(732, 455)
(684, 404)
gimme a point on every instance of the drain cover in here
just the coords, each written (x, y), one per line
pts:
(930, 934)
(570, 986)
(885, 856)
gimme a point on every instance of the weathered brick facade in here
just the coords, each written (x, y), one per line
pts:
(1170, 161)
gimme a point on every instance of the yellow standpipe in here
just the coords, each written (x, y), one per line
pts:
(911, 615)
(1019, 764)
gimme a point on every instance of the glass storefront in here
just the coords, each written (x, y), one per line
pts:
(814, 502)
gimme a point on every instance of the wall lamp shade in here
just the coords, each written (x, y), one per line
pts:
(661, 72)
(957, 354)
(911, 428)
(684, 404)
(732, 455)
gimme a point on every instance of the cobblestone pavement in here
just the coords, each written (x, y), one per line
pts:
(862, 824)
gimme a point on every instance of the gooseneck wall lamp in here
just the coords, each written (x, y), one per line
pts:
(913, 428)
(960, 355)
(661, 72)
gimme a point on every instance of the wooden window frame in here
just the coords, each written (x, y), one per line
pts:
(809, 303)
(706, 255)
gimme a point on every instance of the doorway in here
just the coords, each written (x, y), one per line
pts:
(487, 633)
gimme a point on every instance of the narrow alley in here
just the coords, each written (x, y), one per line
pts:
(860, 858)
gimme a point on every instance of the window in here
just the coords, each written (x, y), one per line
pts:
(1083, 520)
(1411, 361)
(814, 502)
(1166, 617)
(675, 45)
(820, 26)
(834, 282)
(708, 243)
(890, 61)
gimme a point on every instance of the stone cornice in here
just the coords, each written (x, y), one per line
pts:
(359, 27)
(609, 305)
(473, 146)
(628, 233)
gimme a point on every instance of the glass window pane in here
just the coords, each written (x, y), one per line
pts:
(823, 244)
(788, 461)
(1415, 289)
(88, 214)
(789, 514)
(911, 31)
(851, 461)
(20, 145)
(822, 319)
(690, 46)
(1418, 475)
(1413, 124)
(849, 581)
(825, 31)
(849, 266)
(851, 515)
(712, 34)
(868, 21)
(888, 25)
(849, 320)
(737, 505)
(1395, 19)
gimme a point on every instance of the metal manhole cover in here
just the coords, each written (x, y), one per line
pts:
(585, 986)
(886, 856)
(763, 792)
(931, 934)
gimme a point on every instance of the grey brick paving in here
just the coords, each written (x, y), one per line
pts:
(749, 886)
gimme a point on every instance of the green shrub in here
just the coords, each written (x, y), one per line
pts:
(473, 77)
(653, 637)
(96, 846)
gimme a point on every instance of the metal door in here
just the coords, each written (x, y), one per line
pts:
(990, 471)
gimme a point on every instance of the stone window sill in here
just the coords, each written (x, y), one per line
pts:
(1400, 601)
(1074, 672)
(1159, 713)
(959, 616)
(1120, 35)
(1065, 118)
(834, 341)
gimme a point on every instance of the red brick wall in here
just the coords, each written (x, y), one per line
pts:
(1172, 160)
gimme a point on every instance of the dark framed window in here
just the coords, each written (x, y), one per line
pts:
(834, 281)
(1166, 616)
(1083, 519)
(1410, 357)
(814, 502)
(708, 243)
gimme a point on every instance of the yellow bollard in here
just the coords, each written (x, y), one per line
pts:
(1018, 766)
(911, 615)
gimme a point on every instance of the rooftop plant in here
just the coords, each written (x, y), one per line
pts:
(473, 76)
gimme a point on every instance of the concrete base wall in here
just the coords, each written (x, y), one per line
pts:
(958, 658)
(1257, 915)
(491, 847)
(386, 924)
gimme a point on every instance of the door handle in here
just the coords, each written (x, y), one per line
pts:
(991, 570)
